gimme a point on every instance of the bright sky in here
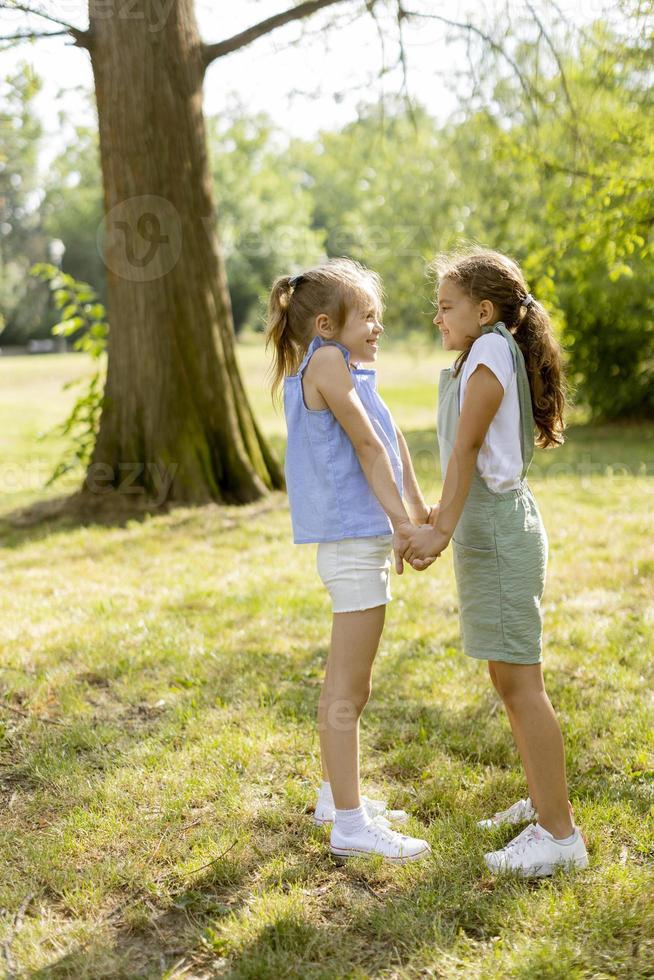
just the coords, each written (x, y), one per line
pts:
(305, 87)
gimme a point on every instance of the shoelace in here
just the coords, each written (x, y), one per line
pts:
(523, 840)
(385, 833)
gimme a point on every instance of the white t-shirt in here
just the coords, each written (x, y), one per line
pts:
(499, 462)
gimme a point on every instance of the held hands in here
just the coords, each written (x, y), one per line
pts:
(419, 546)
(425, 545)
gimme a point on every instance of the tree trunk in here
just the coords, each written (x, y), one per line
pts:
(176, 425)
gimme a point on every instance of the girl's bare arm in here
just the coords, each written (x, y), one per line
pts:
(482, 399)
(418, 509)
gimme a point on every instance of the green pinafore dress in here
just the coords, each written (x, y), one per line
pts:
(500, 545)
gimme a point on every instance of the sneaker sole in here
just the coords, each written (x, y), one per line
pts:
(319, 822)
(543, 870)
(324, 821)
(490, 825)
(341, 855)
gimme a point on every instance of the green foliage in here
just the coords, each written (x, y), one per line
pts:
(382, 194)
(83, 319)
(71, 209)
(264, 212)
(571, 196)
(556, 175)
(607, 287)
(21, 239)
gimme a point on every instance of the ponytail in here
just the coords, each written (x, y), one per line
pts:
(286, 357)
(535, 338)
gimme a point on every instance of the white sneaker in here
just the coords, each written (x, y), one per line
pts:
(518, 813)
(377, 838)
(535, 854)
(374, 808)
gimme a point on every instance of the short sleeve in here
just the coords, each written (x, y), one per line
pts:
(492, 350)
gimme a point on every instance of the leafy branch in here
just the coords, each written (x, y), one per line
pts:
(83, 318)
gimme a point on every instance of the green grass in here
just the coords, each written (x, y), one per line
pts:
(160, 761)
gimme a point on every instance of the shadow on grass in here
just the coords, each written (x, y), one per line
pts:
(375, 923)
(368, 919)
(58, 517)
(316, 920)
(394, 921)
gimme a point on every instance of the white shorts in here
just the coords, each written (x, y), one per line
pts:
(356, 572)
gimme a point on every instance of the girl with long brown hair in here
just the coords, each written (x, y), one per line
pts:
(505, 392)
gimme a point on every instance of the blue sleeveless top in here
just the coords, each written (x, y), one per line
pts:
(328, 493)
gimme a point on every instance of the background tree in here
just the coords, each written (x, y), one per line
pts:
(265, 215)
(524, 170)
(383, 193)
(174, 402)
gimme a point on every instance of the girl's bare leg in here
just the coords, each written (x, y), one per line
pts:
(345, 693)
(321, 721)
(514, 730)
(539, 741)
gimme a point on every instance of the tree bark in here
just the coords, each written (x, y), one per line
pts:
(176, 424)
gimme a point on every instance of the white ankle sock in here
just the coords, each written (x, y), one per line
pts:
(561, 840)
(325, 790)
(351, 821)
(325, 797)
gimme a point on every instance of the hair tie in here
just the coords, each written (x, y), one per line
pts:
(294, 280)
(527, 301)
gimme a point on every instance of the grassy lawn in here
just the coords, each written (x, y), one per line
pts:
(159, 757)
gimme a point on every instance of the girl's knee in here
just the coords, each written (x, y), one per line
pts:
(499, 682)
(362, 697)
(517, 684)
(353, 700)
(512, 699)
(522, 699)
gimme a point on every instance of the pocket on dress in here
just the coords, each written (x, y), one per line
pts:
(477, 576)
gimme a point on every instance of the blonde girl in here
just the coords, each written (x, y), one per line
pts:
(347, 468)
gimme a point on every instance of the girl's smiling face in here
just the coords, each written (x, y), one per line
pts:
(362, 330)
(459, 318)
